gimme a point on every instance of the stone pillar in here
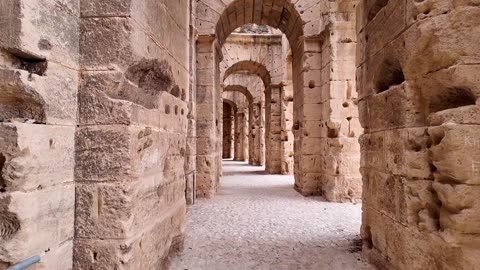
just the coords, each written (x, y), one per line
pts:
(257, 135)
(329, 132)
(227, 131)
(39, 74)
(273, 112)
(310, 143)
(131, 137)
(342, 178)
(191, 148)
(207, 156)
(286, 99)
(236, 135)
(246, 133)
(241, 130)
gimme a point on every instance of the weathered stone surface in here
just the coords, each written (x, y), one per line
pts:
(418, 104)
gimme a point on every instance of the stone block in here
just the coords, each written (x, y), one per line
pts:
(35, 221)
(144, 251)
(51, 34)
(36, 156)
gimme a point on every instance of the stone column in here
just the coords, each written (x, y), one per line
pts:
(286, 100)
(227, 131)
(273, 112)
(207, 156)
(191, 148)
(130, 145)
(308, 108)
(241, 129)
(329, 131)
(257, 134)
(236, 135)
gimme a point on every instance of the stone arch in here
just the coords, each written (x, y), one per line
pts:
(250, 68)
(230, 103)
(301, 23)
(256, 133)
(254, 49)
(253, 84)
(241, 89)
(223, 18)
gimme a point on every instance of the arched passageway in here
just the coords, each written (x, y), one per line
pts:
(230, 125)
(111, 121)
(325, 123)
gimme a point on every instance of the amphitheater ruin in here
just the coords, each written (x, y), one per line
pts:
(240, 134)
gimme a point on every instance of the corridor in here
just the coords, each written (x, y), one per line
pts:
(258, 221)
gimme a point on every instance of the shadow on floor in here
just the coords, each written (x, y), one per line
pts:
(261, 171)
(231, 163)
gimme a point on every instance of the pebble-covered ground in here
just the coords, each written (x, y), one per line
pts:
(258, 221)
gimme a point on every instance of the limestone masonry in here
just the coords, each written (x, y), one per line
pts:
(116, 114)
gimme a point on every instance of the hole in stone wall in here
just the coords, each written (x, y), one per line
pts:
(436, 136)
(146, 79)
(44, 44)
(451, 98)
(167, 109)
(379, 4)
(390, 74)
(3, 183)
(9, 224)
(333, 133)
(30, 62)
(176, 91)
(176, 110)
(4, 265)
(18, 100)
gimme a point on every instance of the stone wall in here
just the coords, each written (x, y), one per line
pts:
(418, 64)
(131, 138)
(38, 106)
(328, 157)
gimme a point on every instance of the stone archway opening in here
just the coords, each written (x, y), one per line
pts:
(282, 16)
(270, 127)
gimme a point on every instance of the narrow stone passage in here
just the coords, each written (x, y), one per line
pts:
(257, 221)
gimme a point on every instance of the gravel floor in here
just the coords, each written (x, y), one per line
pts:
(258, 221)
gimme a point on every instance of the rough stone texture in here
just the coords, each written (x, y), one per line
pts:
(327, 155)
(110, 110)
(258, 221)
(131, 142)
(38, 104)
(419, 107)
